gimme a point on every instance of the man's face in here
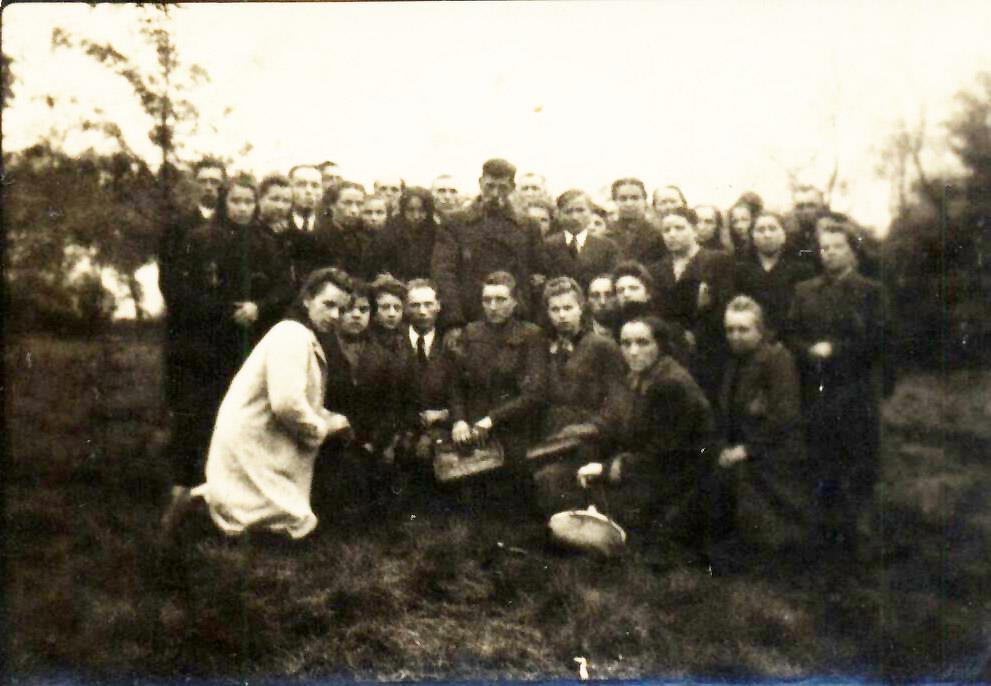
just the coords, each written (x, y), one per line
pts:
(666, 199)
(445, 194)
(742, 332)
(374, 213)
(209, 181)
(391, 189)
(769, 236)
(347, 209)
(575, 214)
(356, 317)
(630, 289)
(274, 205)
(532, 187)
(498, 304)
(565, 314)
(388, 311)
(415, 213)
(307, 188)
(739, 221)
(678, 234)
(602, 299)
(496, 189)
(630, 201)
(808, 205)
(422, 309)
(329, 178)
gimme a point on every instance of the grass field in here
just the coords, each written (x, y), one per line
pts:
(429, 594)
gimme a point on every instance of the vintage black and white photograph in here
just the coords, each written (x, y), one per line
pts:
(497, 341)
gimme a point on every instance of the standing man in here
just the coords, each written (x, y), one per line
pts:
(446, 197)
(307, 190)
(487, 237)
(343, 242)
(636, 237)
(808, 207)
(391, 188)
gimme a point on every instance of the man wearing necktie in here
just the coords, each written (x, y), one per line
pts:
(573, 251)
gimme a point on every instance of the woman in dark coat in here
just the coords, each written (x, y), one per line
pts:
(405, 245)
(838, 329)
(763, 452)
(659, 433)
(501, 376)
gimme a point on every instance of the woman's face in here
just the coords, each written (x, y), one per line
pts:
(355, 319)
(597, 225)
(707, 224)
(630, 289)
(542, 217)
(324, 308)
(742, 332)
(388, 311)
(640, 350)
(666, 199)
(498, 303)
(415, 213)
(575, 214)
(739, 221)
(769, 236)
(241, 205)
(678, 234)
(835, 252)
(565, 314)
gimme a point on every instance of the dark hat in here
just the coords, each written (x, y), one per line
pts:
(499, 169)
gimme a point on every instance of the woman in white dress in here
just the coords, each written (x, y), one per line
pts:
(270, 424)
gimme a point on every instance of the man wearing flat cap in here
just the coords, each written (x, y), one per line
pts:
(488, 236)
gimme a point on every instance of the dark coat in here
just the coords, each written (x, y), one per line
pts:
(424, 387)
(638, 240)
(580, 383)
(760, 408)
(598, 255)
(475, 243)
(774, 289)
(501, 374)
(841, 395)
(402, 250)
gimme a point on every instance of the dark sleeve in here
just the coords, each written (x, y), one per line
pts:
(445, 266)
(531, 380)
(198, 268)
(453, 342)
(173, 233)
(782, 411)
(683, 406)
(869, 331)
(280, 292)
(796, 334)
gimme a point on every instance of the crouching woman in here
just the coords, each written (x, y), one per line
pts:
(259, 467)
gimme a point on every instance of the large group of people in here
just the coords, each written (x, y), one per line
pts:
(722, 378)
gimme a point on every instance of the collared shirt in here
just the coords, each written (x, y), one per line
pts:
(601, 330)
(679, 264)
(561, 344)
(207, 212)
(307, 222)
(428, 339)
(579, 237)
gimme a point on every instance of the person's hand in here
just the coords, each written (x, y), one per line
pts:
(690, 340)
(730, 456)
(586, 430)
(336, 423)
(616, 469)
(822, 350)
(482, 428)
(461, 433)
(246, 314)
(592, 470)
(430, 417)
(705, 298)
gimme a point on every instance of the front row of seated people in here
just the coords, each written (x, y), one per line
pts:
(345, 373)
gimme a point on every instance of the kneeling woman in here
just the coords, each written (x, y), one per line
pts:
(761, 422)
(259, 468)
(658, 433)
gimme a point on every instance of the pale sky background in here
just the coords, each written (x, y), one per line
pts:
(718, 97)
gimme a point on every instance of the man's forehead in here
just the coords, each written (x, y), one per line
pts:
(306, 174)
(488, 178)
(630, 189)
(389, 182)
(422, 294)
(445, 183)
(210, 173)
(351, 195)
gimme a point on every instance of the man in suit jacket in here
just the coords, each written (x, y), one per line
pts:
(573, 251)
(636, 237)
(487, 237)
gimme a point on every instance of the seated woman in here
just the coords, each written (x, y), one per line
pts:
(390, 301)
(761, 427)
(658, 433)
(271, 422)
(365, 378)
(584, 370)
(500, 375)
